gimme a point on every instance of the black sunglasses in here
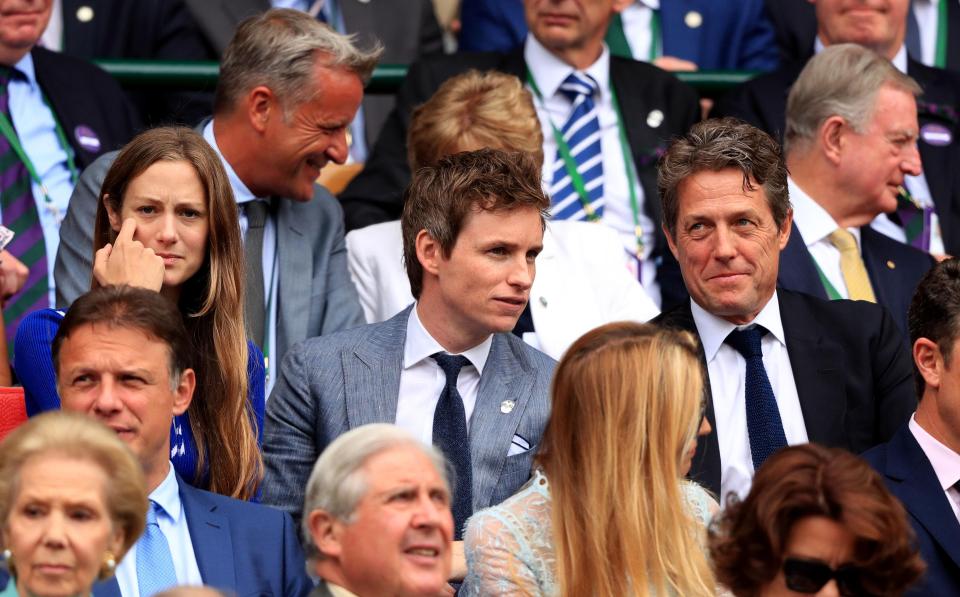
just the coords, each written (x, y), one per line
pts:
(809, 576)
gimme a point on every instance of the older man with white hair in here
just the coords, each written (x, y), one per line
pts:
(376, 516)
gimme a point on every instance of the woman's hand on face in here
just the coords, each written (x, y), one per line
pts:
(127, 261)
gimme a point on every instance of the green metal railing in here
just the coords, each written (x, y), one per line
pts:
(386, 78)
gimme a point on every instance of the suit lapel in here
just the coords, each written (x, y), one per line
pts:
(888, 283)
(679, 39)
(295, 257)
(210, 535)
(797, 270)
(506, 376)
(815, 359)
(917, 487)
(371, 373)
(953, 40)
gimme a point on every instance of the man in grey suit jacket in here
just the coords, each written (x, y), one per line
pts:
(283, 104)
(472, 228)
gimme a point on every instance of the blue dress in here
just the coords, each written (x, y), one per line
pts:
(33, 362)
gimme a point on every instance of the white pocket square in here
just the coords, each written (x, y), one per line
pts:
(518, 445)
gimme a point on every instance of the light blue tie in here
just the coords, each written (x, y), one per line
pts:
(582, 135)
(155, 570)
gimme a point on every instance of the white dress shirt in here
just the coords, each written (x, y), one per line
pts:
(271, 265)
(636, 27)
(173, 524)
(36, 128)
(945, 463)
(554, 109)
(727, 370)
(816, 226)
(422, 380)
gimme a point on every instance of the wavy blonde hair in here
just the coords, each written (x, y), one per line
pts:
(626, 405)
(211, 302)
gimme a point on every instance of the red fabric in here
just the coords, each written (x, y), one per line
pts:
(13, 412)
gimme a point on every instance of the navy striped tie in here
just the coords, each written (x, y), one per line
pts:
(20, 215)
(582, 135)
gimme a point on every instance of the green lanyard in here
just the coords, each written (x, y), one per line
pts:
(570, 166)
(654, 35)
(940, 59)
(6, 128)
(832, 293)
(616, 37)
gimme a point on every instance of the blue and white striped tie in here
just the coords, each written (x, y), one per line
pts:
(582, 135)
(155, 571)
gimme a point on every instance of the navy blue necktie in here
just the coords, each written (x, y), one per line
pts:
(763, 417)
(450, 435)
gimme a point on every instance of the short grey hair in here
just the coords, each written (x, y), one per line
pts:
(337, 482)
(280, 48)
(720, 144)
(842, 80)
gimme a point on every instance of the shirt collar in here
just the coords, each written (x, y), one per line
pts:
(25, 67)
(899, 59)
(549, 71)
(945, 462)
(713, 330)
(420, 345)
(813, 221)
(167, 495)
(651, 4)
(240, 191)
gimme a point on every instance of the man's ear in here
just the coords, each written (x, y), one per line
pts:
(183, 395)
(831, 137)
(429, 252)
(670, 242)
(262, 105)
(325, 531)
(929, 361)
(785, 229)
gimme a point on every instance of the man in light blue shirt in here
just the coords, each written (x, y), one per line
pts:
(120, 358)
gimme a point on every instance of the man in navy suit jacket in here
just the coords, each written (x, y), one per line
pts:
(120, 356)
(850, 141)
(921, 462)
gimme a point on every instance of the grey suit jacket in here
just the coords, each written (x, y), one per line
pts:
(408, 30)
(314, 294)
(330, 385)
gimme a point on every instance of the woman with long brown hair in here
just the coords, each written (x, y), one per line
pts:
(166, 220)
(608, 511)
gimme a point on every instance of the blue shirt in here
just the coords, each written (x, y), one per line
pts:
(36, 128)
(173, 524)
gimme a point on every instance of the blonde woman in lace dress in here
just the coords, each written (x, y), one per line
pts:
(607, 511)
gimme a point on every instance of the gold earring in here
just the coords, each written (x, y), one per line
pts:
(109, 565)
(8, 562)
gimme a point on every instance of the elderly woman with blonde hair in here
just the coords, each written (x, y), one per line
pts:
(72, 502)
(608, 511)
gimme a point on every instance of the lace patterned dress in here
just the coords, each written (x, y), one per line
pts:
(509, 547)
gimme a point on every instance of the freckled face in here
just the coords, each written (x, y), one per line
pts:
(727, 244)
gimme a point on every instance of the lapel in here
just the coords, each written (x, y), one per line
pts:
(953, 39)
(679, 39)
(295, 257)
(107, 588)
(549, 295)
(888, 284)
(937, 164)
(705, 467)
(915, 484)
(371, 372)
(815, 360)
(507, 375)
(80, 39)
(797, 270)
(211, 537)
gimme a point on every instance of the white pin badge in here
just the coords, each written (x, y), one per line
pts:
(654, 118)
(693, 19)
(506, 407)
(84, 14)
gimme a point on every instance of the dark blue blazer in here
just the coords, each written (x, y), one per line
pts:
(734, 34)
(894, 268)
(242, 548)
(910, 477)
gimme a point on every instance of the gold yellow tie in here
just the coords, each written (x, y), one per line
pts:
(851, 266)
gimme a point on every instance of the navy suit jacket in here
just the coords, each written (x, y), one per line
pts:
(894, 268)
(242, 548)
(762, 102)
(910, 477)
(852, 371)
(734, 34)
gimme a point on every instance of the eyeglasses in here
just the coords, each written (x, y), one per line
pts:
(809, 576)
